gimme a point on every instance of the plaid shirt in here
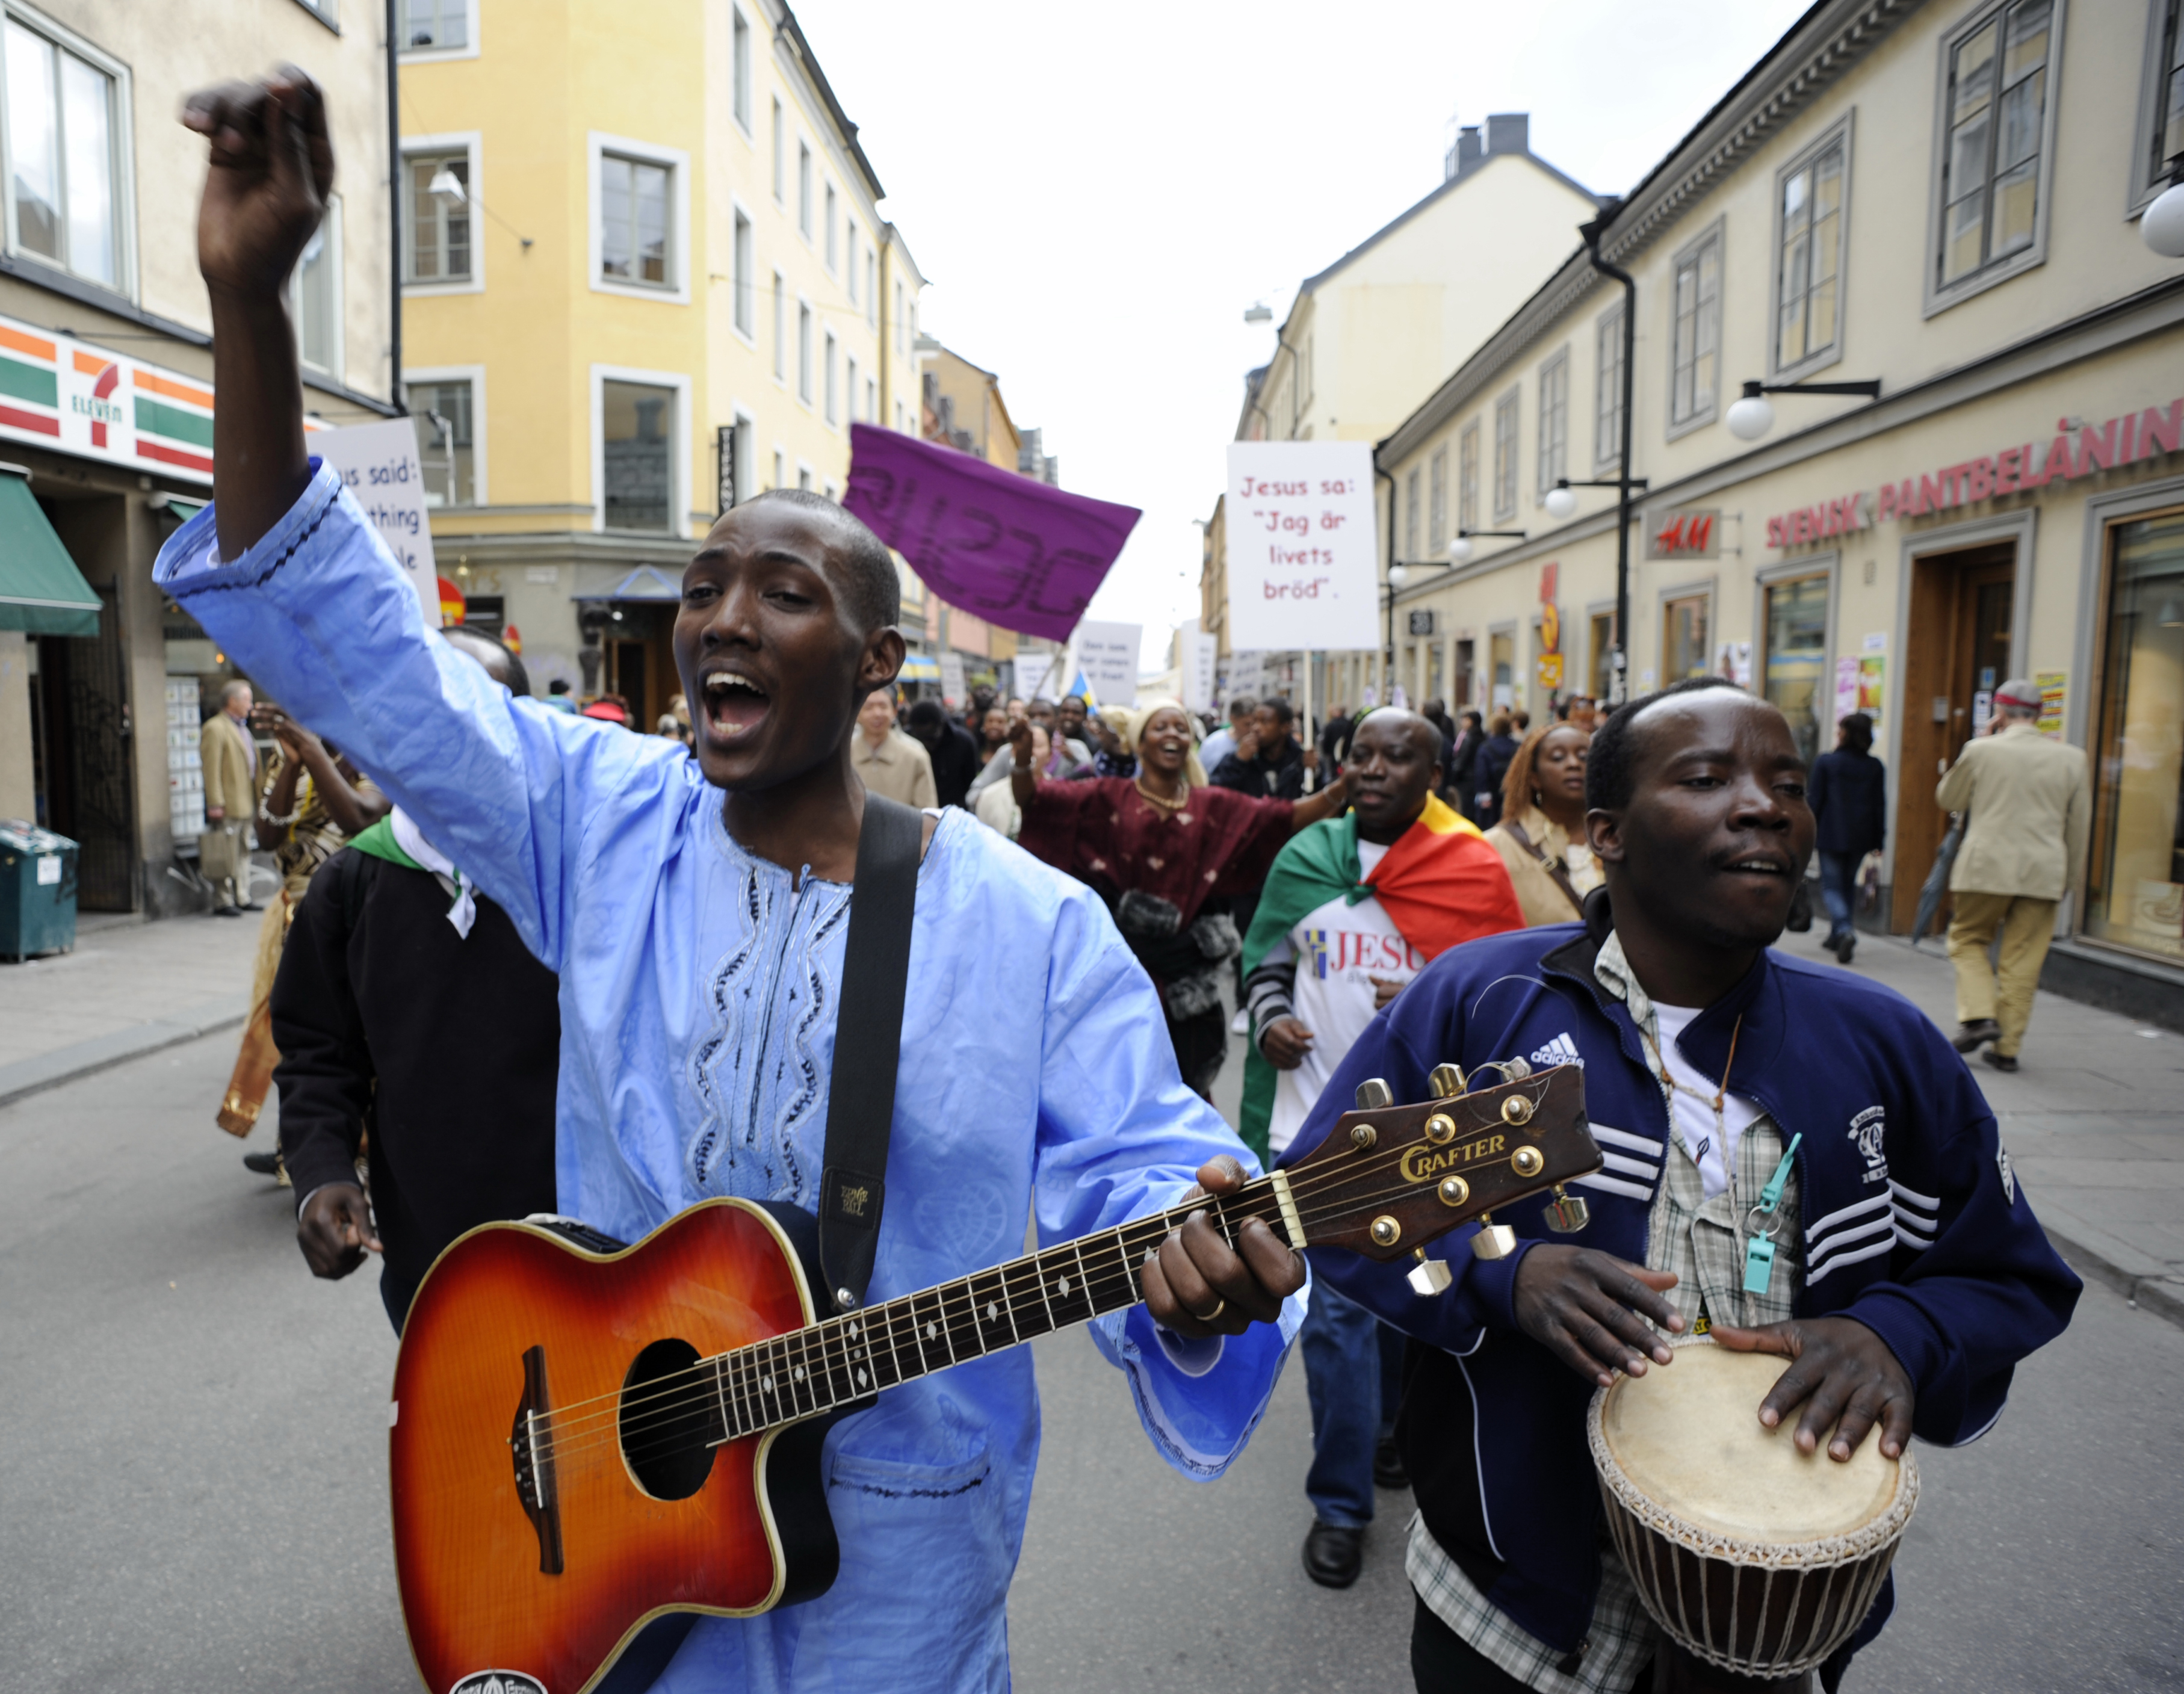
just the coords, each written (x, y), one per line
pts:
(1702, 1242)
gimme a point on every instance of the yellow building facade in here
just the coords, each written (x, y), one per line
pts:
(1939, 199)
(646, 276)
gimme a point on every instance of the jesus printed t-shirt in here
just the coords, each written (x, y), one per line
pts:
(1339, 949)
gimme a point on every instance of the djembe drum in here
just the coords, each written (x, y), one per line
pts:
(1755, 1557)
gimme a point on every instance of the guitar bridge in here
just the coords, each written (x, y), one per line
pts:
(534, 1462)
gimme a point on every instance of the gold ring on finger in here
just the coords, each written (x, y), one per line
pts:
(1220, 1305)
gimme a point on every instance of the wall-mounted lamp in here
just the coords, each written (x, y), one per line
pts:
(1752, 417)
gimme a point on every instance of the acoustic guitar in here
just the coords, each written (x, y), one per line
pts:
(589, 1442)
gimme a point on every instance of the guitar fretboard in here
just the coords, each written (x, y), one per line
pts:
(848, 1358)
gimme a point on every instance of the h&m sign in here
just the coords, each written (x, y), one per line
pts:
(1685, 532)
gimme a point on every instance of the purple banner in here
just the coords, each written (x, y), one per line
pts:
(1012, 551)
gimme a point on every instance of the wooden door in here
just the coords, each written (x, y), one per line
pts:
(1957, 645)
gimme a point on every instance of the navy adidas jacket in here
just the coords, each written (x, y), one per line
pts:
(1912, 1222)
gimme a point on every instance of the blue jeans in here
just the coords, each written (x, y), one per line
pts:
(1353, 1377)
(1839, 890)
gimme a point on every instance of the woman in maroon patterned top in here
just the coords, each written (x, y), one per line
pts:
(1167, 852)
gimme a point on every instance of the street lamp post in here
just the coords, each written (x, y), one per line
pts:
(1752, 417)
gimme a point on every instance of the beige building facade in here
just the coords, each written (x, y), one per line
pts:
(1940, 198)
(106, 399)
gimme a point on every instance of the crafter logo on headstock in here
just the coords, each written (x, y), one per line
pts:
(1426, 1164)
(498, 1682)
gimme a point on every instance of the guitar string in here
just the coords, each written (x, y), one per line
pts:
(1010, 1271)
(743, 1371)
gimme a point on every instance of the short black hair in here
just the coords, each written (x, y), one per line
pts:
(519, 679)
(1240, 704)
(926, 715)
(1283, 711)
(1858, 732)
(560, 685)
(1611, 761)
(874, 592)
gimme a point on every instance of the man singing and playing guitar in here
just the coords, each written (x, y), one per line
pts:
(697, 911)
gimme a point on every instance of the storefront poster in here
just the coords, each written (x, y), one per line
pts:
(1872, 685)
(378, 462)
(2054, 690)
(1302, 571)
(1846, 688)
(1732, 661)
(1551, 671)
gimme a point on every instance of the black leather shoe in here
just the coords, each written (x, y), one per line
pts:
(2001, 1061)
(1333, 1556)
(1388, 1464)
(1970, 1037)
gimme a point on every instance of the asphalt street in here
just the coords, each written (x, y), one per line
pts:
(191, 1479)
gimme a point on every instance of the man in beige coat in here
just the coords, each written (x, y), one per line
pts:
(230, 759)
(889, 761)
(2027, 801)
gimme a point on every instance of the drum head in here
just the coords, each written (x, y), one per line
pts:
(1688, 1437)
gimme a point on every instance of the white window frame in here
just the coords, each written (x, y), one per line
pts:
(742, 272)
(831, 200)
(598, 144)
(2147, 180)
(850, 257)
(872, 287)
(780, 330)
(850, 375)
(410, 55)
(806, 204)
(1937, 297)
(807, 351)
(474, 376)
(807, 478)
(121, 133)
(678, 451)
(780, 467)
(740, 79)
(780, 153)
(470, 143)
(830, 385)
(1837, 133)
(1608, 378)
(1437, 529)
(330, 226)
(1691, 252)
(1468, 444)
(1510, 403)
(1552, 456)
(744, 433)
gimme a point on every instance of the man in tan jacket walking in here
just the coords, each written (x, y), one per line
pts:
(230, 759)
(2028, 802)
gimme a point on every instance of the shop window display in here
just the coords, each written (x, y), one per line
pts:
(2135, 894)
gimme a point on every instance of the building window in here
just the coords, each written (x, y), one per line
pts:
(804, 189)
(900, 345)
(1466, 478)
(1994, 119)
(780, 329)
(1554, 421)
(833, 404)
(327, 12)
(637, 429)
(1684, 638)
(745, 282)
(780, 157)
(1808, 257)
(1695, 382)
(804, 354)
(1501, 665)
(436, 26)
(634, 217)
(780, 471)
(871, 401)
(62, 156)
(1794, 666)
(804, 477)
(850, 257)
(2161, 117)
(830, 227)
(1505, 456)
(1599, 670)
(739, 30)
(850, 388)
(872, 288)
(446, 447)
(1437, 495)
(2135, 894)
(1411, 516)
(1607, 389)
(436, 225)
(314, 295)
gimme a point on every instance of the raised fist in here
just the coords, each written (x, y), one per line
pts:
(272, 168)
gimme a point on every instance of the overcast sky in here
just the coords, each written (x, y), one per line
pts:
(1098, 195)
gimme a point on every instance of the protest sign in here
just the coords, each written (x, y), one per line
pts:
(1301, 570)
(1108, 652)
(378, 462)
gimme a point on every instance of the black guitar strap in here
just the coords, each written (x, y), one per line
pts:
(867, 1046)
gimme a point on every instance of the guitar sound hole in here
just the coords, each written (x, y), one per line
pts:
(670, 1419)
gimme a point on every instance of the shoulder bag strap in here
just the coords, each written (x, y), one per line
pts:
(867, 1046)
(1560, 873)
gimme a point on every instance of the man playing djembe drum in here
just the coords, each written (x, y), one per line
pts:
(1898, 1268)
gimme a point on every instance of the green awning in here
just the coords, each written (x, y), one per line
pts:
(41, 590)
(182, 508)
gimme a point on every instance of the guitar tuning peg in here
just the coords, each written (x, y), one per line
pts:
(1429, 1277)
(1373, 1094)
(1446, 1081)
(1494, 1240)
(1568, 1214)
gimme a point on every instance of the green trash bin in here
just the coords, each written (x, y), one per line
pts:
(37, 890)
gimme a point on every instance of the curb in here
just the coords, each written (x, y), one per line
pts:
(2160, 1295)
(27, 1077)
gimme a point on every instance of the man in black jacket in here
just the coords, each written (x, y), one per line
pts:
(955, 754)
(1848, 792)
(412, 1021)
(1459, 762)
(1267, 762)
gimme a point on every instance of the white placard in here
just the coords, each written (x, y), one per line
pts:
(1301, 569)
(952, 689)
(1198, 655)
(1108, 654)
(1035, 674)
(379, 463)
(1247, 676)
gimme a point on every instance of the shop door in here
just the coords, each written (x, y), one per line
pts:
(83, 703)
(1955, 655)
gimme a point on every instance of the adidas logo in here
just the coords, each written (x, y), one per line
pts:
(1561, 1051)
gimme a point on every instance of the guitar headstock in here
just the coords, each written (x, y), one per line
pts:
(1389, 1178)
